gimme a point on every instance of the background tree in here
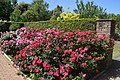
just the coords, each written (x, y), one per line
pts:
(29, 16)
(18, 11)
(41, 8)
(56, 12)
(36, 11)
(89, 10)
(5, 9)
(115, 17)
(14, 3)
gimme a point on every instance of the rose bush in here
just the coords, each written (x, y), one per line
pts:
(13, 41)
(53, 54)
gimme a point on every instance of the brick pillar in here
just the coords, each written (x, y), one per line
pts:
(107, 27)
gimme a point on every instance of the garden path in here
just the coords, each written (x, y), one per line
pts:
(113, 73)
(7, 71)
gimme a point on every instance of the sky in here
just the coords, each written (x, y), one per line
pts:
(111, 6)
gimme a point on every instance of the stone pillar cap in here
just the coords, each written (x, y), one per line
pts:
(105, 20)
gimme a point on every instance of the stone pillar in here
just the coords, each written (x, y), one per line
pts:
(107, 27)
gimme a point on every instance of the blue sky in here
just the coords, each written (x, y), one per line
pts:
(112, 6)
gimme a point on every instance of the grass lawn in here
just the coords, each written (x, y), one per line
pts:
(116, 50)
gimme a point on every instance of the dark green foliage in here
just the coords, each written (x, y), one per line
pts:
(14, 26)
(41, 8)
(5, 9)
(4, 26)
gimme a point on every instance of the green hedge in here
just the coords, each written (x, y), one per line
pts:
(65, 25)
(69, 25)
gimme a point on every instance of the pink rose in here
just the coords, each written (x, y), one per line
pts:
(25, 65)
(83, 75)
(81, 55)
(30, 67)
(35, 58)
(39, 61)
(56, 73)
(65, 74)
(89, 57)
(42, 78)
(67, 65)
(44, 64)
(84, 64)
(37, 70)
(50, 72)
(34, 62)
(106, 46)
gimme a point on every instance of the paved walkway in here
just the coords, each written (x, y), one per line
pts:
(7, 71)
(113, 73)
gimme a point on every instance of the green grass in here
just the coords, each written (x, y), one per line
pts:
(116, 50)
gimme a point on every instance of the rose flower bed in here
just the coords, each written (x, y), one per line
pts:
(53, 54)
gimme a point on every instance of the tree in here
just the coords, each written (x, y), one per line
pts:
(56, 12)
(40, 7)
(29, 16)
(115, 17)
(90, 10)
(16, 15)
(5, 9)
(18, 11)
(14, 3)
(36, 11)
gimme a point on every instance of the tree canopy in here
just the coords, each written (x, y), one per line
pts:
(89, 10)
(36, 11)
(6, 7)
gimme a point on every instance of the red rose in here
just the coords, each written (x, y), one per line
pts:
(23, 54)
(73, 59)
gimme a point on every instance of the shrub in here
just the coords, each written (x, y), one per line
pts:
(54, 54)
(69, 16)
(13, 41)
(14, 26)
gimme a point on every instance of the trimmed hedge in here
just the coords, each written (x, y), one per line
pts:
(69, 25)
